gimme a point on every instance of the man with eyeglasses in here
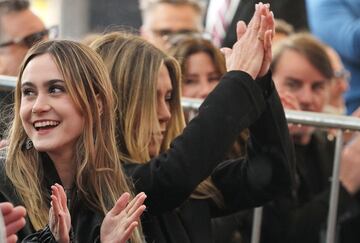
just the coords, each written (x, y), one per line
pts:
(164, 18)
(20, 28)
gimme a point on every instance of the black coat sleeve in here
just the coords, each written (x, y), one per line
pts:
(269, 168)
(169, 179)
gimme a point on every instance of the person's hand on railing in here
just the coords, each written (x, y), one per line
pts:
(122, 219)
(350, 166)
(14, 220)
(349, 135)
(251, 51)
(59, 215)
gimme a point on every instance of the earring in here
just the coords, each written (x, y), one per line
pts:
(28, 144)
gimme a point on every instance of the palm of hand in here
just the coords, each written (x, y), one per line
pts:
(112, 230)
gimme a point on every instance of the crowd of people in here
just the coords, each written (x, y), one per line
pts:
(96, 147)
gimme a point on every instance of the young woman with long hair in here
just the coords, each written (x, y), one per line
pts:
(64, 132)
(182, 198)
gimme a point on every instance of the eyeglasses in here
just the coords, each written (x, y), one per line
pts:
(177, 38)
(33, 38)
(342, 74)
(166, 33)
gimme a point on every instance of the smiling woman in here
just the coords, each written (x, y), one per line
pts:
(50, 118)
(63, 132)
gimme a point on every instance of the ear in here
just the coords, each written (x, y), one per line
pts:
(99, 104)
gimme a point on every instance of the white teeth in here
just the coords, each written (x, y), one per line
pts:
(45, 124)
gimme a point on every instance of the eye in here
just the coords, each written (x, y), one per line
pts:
(318, 87)
(168, 97)
(190, 81)
(213, 78)
(293, 85)
(28, 92)
(54, 89)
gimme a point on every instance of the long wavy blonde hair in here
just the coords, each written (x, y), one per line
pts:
(134, 65)
(99, 177)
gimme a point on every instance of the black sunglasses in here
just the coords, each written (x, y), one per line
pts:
(33, 38)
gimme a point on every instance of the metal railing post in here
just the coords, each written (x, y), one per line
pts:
(256, 227)
(334, 194)
(2, 228)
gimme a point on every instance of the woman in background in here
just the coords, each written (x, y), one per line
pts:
(202, 65)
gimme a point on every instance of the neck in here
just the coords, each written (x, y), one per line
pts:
(65, 168)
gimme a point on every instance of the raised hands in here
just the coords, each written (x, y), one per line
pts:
(59, 215)
(252, 51)
(122, 219)
(14, 219)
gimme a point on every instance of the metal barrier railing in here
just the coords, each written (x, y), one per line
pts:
(296, 117)
(317, 120)
(7, 82)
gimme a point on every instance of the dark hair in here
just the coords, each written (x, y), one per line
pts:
(185, 46)
(309, 47)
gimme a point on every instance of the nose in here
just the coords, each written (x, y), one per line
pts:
(305, 98)
(41, 104)
(163, 112)
(205, 88)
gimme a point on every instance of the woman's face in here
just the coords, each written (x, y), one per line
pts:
(48, 114)
(201, 76)
(163, 99)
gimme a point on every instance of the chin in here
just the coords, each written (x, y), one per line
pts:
(40, 147)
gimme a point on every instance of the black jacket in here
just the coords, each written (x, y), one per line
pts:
(85, 221)
(238, 102)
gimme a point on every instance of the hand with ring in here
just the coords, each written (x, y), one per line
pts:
(252, 51)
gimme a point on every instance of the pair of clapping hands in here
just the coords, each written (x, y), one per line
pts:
(252, 51)
(117, 225)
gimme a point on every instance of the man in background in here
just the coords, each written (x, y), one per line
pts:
(20, 28)
(163, 18)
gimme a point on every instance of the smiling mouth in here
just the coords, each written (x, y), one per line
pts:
(42, 125)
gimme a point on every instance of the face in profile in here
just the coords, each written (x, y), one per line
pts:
(304, 82)
(163, 110)
(200, 77)
(168, 19)
(16, 26)
(48, 113)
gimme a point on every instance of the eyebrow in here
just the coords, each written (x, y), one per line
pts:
(47, 83)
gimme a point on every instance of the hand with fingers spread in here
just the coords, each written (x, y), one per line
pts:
(14, 220)
(122, 219)
(252, 51)
(59, 215)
